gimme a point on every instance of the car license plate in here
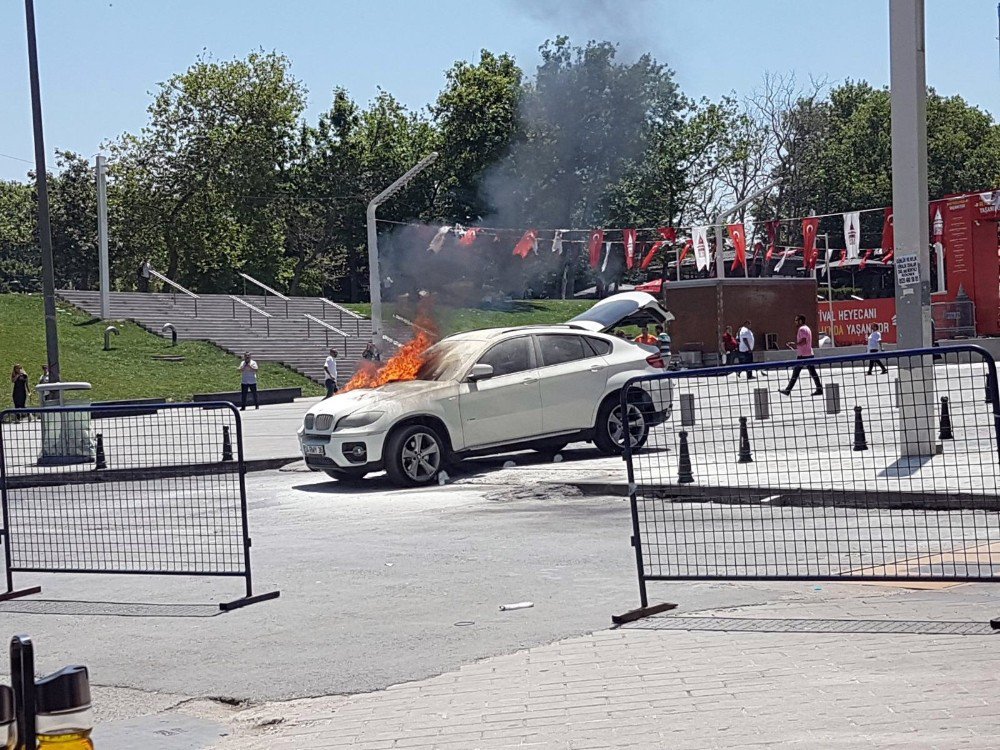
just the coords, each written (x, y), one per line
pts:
(314, 450)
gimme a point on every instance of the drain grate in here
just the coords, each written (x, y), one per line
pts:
(786, 625)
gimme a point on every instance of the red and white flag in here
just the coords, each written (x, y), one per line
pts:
(852, 234)
(809, 253)
(772, 237)
(864, 261)
(594, 247)
(739, 238)
(888, 234)
(702, 255)
(557, 241)
(628, 237)
(468, 237)
(789, 252)
(669, 234)
(527, 243)
(438, 242)
(684, 251)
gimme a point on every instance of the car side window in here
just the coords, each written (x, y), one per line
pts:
(559, 348)
(513, 355)
(600, 346)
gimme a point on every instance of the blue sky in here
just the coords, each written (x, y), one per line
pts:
(100, 60)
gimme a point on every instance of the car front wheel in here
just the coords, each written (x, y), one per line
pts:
(414, 456)
(613, 426)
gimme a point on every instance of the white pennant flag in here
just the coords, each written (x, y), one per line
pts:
(557, 241)
(699, 240)
(607, 254)
(852, 234)
(784, 256)
(438, 240)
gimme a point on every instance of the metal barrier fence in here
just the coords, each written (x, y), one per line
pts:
(101, 489)
(866, 467)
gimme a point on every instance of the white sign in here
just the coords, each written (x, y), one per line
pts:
(907, 270)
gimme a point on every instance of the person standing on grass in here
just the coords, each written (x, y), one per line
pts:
(730, 346)
(875, 346)
(803, 346)
(248, 381)
(19, 380)
(144, 274)
(330, 371)
(746, 343)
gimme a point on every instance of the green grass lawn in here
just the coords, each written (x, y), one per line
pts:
(525, 312)
(128, 370)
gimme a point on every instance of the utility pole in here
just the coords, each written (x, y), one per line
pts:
(102, 235)
(374, 277)
(44, 230)
(908, 85)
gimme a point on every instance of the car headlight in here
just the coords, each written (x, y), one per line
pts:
(359, 419)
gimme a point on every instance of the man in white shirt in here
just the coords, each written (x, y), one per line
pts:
(330, 371)
(248, 381)
(746, 342)
(874, 346)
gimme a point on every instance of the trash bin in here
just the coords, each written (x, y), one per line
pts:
(65, 434)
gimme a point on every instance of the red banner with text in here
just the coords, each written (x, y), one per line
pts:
(852, 320)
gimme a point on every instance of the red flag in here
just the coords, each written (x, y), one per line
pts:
(687, 248)
(864, 261)
(669, 234)
(888, 232)
(628, 237)
(469, 237)
(772, 237)
(843, 257)
(809, 252)
(596, 240)
(739, 238)
(757, 247)
(527, 243)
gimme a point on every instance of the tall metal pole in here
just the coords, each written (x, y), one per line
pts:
(720, 266)
(44, 230)
(102, 236)
(909, 204)
(374, 277)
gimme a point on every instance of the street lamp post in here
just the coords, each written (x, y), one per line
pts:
(44, 230)
(374, 277)
(720, 265)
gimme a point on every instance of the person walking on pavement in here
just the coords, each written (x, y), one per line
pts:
(330, 370)
(746, 344)
(248, 381)
(730, 346)
(803, 346)
(875, 346)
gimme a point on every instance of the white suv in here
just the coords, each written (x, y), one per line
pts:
(493, 391)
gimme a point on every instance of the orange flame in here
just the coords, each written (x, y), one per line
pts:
(404, 365)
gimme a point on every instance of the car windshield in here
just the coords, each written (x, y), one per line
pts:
(447, 359)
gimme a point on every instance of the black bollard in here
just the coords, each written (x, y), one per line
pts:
(684, 474)
(745, 456)
(100, 461)
(945, 433)
(227, 444)
(860, 443)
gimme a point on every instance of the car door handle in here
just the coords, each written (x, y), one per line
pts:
(596, 368)
(529, 381)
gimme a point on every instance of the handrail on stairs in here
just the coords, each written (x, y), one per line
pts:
(326, 326)
(247, 277)
(341, 312)
(178, 287)
(251, 310)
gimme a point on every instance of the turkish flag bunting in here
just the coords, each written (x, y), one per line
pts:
(772, 237)
(596, 240)
(888, 232)
(864, 260)
(739, 238)
(843, 256)
(669, 234)
(809, 254)
(628, 237)
(469, 237)
(757, 247)
(527, 243)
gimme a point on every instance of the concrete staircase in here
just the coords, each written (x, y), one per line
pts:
(287, 336)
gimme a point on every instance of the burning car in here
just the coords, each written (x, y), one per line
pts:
(493, 391)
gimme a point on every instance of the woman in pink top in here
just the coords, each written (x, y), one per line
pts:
(803, 350)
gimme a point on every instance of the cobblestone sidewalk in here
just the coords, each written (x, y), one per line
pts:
(886, 669)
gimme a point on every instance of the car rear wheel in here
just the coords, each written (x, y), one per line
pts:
(346, 475)
(414, 456)
(612, 425)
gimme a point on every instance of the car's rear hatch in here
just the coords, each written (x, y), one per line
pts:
(620, 310)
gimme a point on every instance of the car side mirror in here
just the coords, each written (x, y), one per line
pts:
(480, 372)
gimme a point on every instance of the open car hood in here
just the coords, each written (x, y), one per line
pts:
(620, 310)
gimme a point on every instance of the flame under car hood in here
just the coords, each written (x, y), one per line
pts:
(398, 395)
